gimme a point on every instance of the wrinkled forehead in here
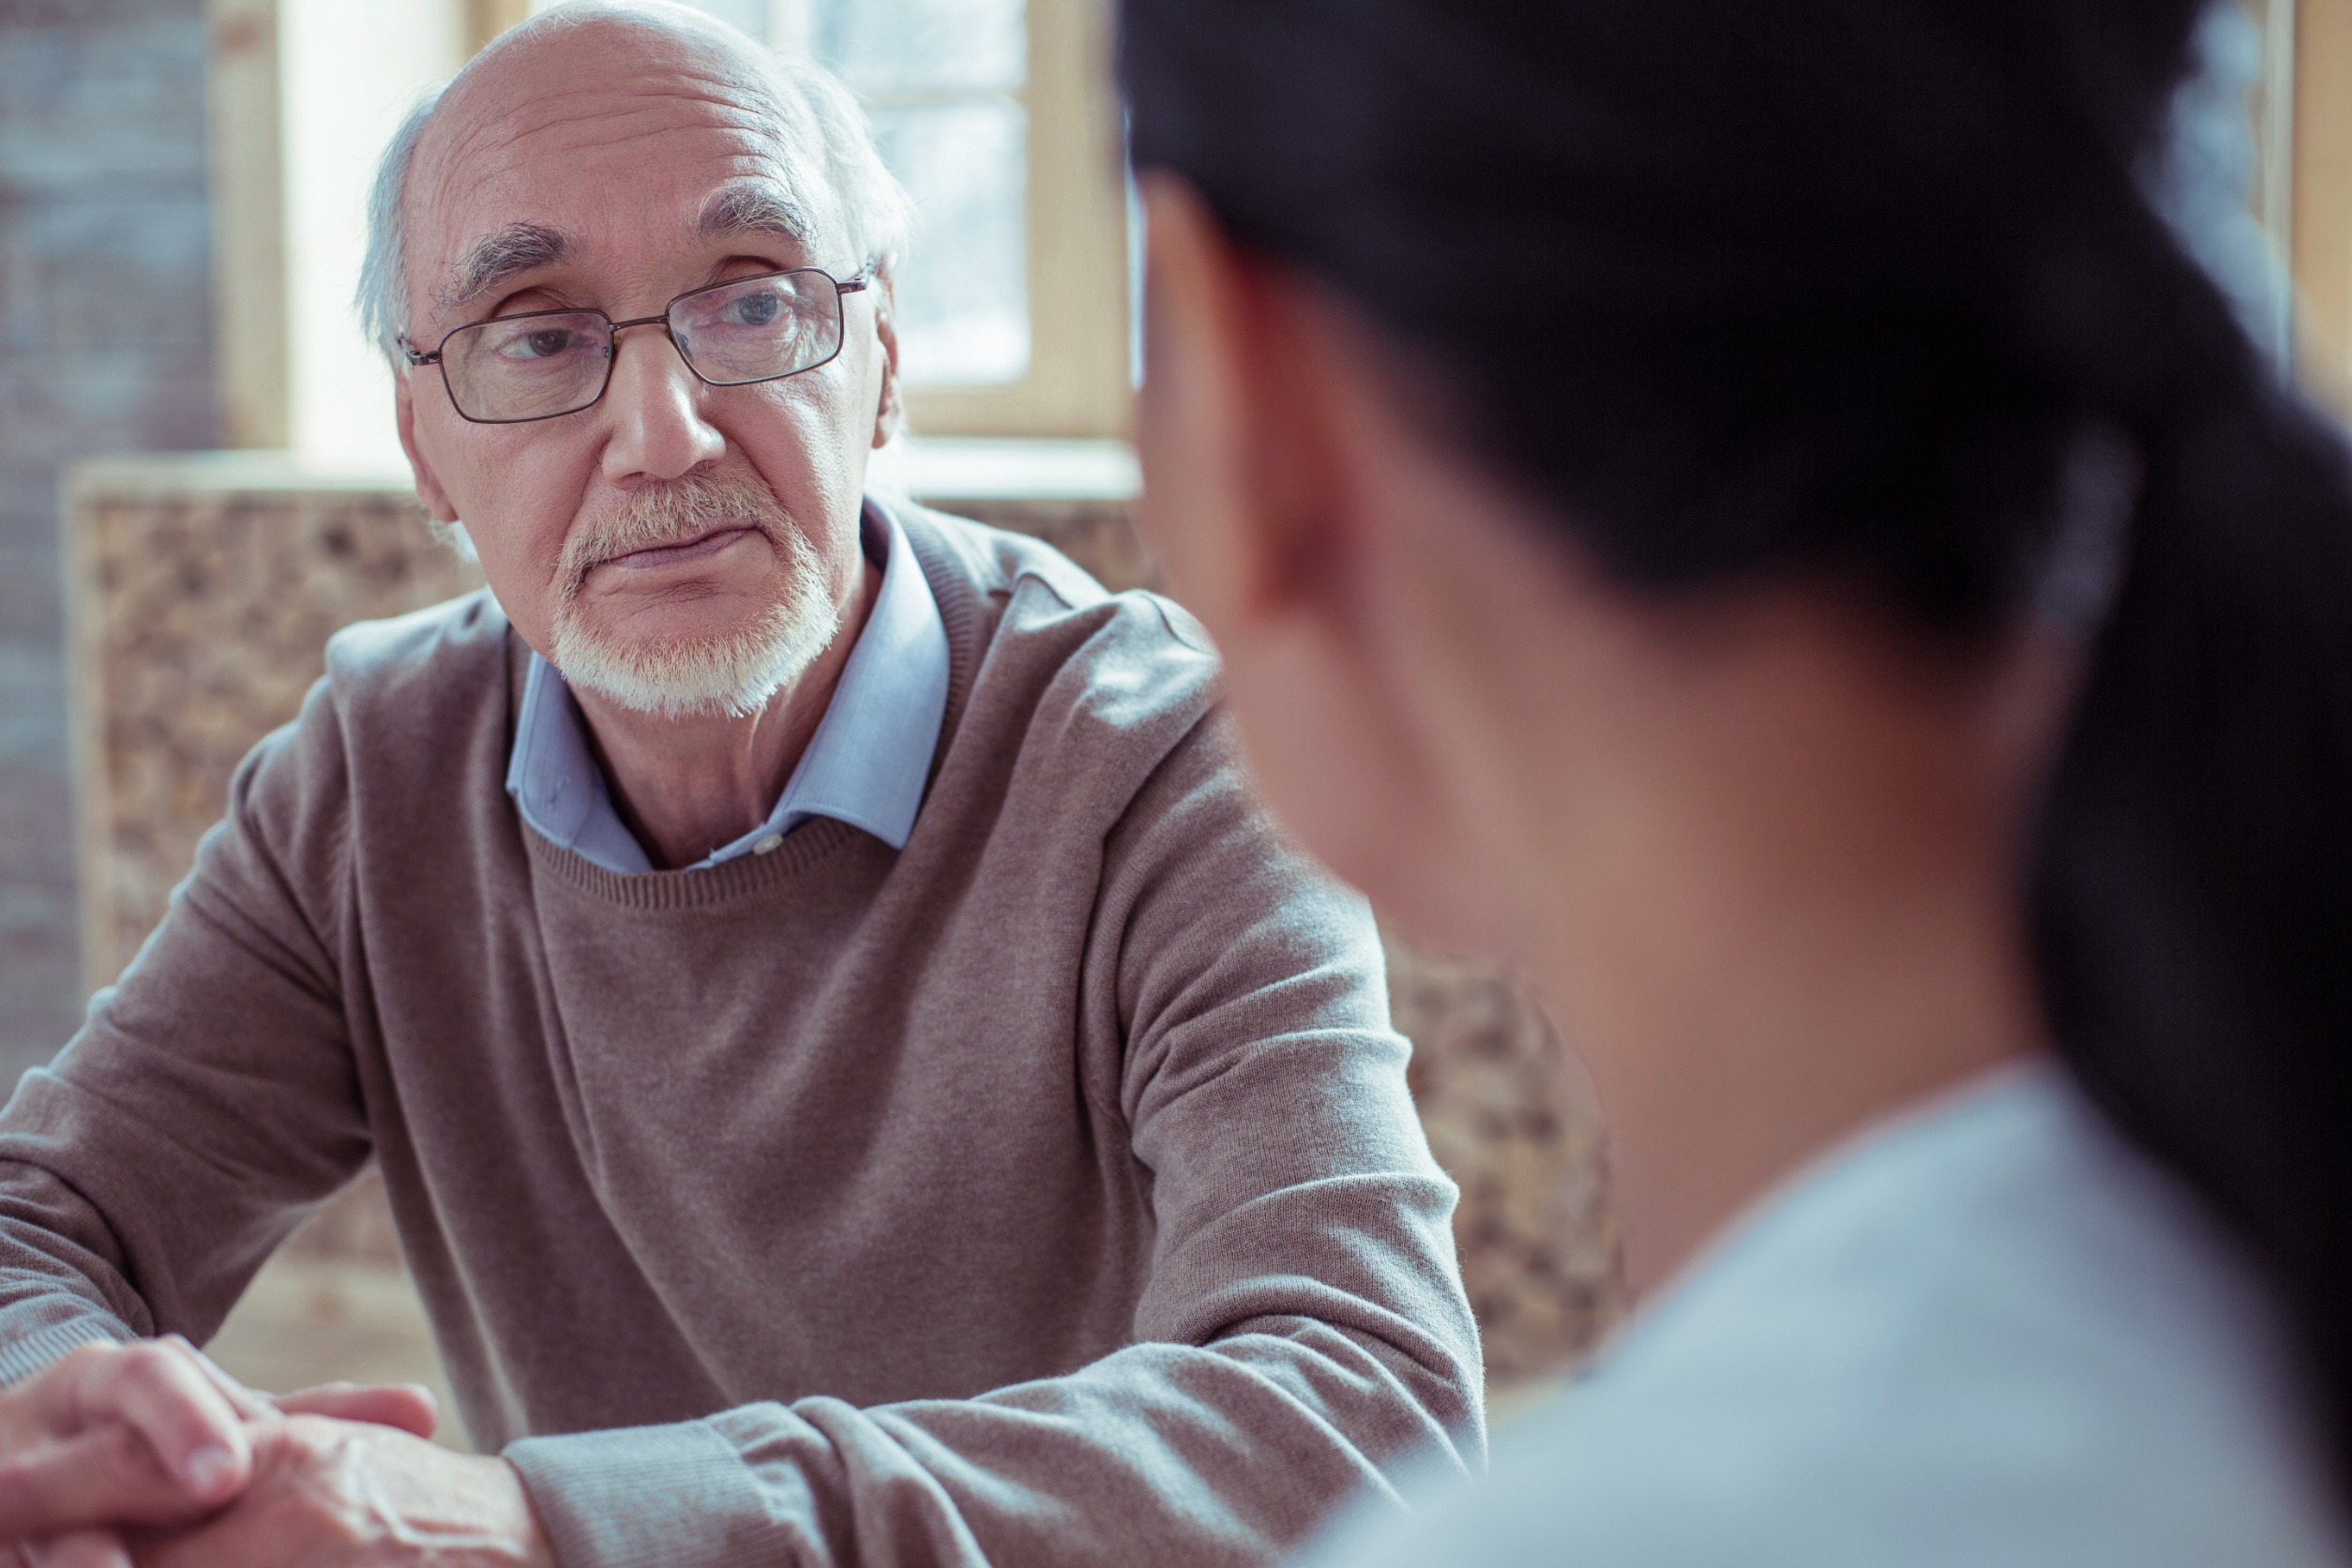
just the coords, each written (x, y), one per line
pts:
(613, 153)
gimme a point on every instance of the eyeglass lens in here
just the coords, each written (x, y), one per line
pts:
(538, 366)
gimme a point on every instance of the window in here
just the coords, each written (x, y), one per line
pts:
(998, 114)
(2303, 178)
(944, 82)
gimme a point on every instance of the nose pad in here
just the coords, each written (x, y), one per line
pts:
(654, 409)
(657, 332)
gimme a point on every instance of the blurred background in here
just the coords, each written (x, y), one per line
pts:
(198, 479)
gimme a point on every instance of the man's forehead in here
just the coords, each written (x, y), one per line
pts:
(497, 228)
(558, 152)
(590, 88)
(740, 207)
(592, 152)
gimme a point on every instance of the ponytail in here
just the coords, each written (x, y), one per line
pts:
(2191, 892)
(1834, 288)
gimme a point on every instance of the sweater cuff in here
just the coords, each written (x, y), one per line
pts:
(678, 1497)
(27, 1344)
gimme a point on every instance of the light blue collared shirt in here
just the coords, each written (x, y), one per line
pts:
(865, 765)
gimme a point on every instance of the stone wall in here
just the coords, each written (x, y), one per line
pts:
(204, 592)
(106, 344)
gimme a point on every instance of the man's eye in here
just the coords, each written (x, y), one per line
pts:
(758, 310)
(546, 343)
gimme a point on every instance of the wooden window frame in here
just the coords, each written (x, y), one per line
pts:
(2303, 181)
(2309, 63)
(1079, 383)
(248, 222)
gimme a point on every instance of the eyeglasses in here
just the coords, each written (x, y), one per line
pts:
(544, 363)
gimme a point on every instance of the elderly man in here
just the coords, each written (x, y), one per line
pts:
(856, 1080)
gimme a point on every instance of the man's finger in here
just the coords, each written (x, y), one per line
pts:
(249, 1403)
(102, 1477)
(78, 1549)
(410, 1407)
(162, 1391)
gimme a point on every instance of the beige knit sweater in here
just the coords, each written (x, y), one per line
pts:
(1045, 1192)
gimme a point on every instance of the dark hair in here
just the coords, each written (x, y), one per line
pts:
(1847, 287)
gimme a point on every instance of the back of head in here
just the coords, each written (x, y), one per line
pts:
(1869, 292)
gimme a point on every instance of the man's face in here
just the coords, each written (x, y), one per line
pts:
(672, 519)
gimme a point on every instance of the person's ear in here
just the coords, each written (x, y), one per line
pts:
(1240, 486)
(1265, 477)
(429, 487)
(890, 414)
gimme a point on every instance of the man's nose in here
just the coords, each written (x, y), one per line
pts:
(652, 407)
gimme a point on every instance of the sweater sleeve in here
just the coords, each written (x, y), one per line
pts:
(1304, 1324)
(208, 1099)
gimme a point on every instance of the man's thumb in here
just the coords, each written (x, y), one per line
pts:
(410, 1407)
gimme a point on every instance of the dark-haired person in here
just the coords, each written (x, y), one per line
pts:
(1743, 509)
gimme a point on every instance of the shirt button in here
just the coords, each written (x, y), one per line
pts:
(767, 843)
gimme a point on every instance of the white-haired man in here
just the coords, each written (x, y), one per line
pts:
(856, 1080)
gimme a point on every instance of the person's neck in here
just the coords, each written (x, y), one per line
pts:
(687, 785)
(1779, 1038)
(1808, 916)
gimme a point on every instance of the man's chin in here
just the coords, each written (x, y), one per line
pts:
(734, 668)
(677, 628)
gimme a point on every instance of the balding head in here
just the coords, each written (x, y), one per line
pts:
(581, 79)
(676, 544)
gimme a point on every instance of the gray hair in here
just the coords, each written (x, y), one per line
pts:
(847, 198)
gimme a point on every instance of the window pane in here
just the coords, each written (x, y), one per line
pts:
(963, 292)
(884, 48)
(934, 75)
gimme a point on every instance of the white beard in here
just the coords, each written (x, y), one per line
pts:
(735, 673)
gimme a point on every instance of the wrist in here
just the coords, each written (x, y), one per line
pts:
(518, 1523)
(458, 1510)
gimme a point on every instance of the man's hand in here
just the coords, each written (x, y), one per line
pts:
(341, 1494)
(118, 1432)
(151, 1433)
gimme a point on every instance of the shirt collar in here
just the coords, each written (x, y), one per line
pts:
(865, 765)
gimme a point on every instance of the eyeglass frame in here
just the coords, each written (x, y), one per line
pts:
(856, 284)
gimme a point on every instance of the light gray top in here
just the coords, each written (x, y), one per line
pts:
(865, 765)
(1988, 1333)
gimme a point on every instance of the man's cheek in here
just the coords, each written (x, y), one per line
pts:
(522, 556)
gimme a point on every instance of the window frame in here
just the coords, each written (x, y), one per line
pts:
(2302, 111)
(244, 116)
(1078, 382)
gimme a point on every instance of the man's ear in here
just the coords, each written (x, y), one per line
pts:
(890, 414)
(429, 487)
(1242, 492)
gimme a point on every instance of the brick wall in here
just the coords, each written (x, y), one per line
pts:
(105, 345)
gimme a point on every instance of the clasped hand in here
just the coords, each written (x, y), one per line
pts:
(149, 1454)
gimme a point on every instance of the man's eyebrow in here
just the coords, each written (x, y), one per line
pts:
(755, 206)
(516, 247)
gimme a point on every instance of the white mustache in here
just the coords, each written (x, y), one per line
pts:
(674, 513)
